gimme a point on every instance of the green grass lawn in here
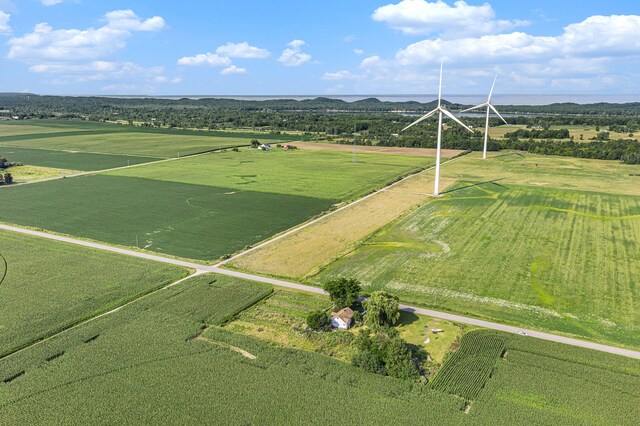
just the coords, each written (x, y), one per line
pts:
(559, 260)
(321, 174)
(51, 285)
(105, 369)
(70, 160)
(191, 221)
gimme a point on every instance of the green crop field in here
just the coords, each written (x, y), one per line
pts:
(549, 383)
(467, 371)
(560, 260)
(205, 207)
(192, 221)
(323, 174)
(51, 285)
(70, 160)
(171, 343)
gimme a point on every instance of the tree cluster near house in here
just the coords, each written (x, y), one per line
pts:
(380, 349)
(5, 164)
(6, 179)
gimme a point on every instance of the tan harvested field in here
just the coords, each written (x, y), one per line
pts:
(306, 252)
(415, 152)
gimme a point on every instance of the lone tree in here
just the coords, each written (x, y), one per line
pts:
(343, 291)
(318, 319)
(381, 310)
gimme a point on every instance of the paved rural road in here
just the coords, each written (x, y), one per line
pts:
(215, 269)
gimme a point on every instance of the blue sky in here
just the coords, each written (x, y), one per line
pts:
(285, 47)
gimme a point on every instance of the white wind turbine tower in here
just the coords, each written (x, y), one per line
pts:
(490, 108)
(441, 111)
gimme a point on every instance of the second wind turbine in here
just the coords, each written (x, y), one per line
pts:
(490, 108)
(441, 110)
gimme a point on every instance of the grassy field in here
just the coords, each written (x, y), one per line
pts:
(22, 174)
(547, 172)
(416, 329)
(555, 259)
(282, 318)
(105, 369)
(51, 285)
(70, 160)
(191, 221)
(322, 174)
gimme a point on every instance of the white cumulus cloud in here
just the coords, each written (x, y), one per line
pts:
(242, 50)
(232, 69)
(293, 55)
(340, 75)
(50, 2)
(211, 59)
(127, 20)
(4, 22)
(437, 17)
(47, 43)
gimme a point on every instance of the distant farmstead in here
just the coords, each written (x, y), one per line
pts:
(342, 319)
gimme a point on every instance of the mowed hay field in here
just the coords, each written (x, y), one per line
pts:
(560, 260)
(172, 343)
(51, 285)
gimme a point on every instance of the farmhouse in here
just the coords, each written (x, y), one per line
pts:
(342, 319)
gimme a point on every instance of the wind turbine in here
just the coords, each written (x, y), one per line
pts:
(440, 110)
(490, 108)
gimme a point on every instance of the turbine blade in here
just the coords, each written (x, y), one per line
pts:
(440, 86)
(498, 114)
(492, 86)
(475, 107)
(424, 117)
(454, 118)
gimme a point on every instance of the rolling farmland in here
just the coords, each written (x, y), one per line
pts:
(152, 344)
(554, 259)
(211, 376)
(203, 207)
(52, 285)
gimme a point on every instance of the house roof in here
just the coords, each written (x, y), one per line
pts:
(345, 315)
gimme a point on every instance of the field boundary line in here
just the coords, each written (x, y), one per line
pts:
(201, 269)
(318, 219)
